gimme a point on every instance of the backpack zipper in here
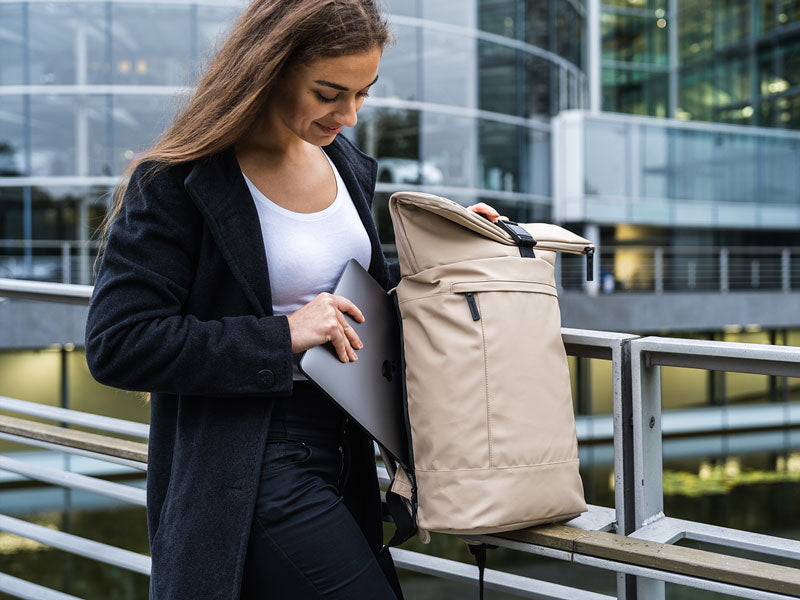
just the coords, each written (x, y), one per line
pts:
(473, 306)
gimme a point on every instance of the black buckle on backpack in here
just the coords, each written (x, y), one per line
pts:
(521, 237)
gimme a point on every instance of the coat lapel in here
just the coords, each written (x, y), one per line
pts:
(218, 188)
(358, 175)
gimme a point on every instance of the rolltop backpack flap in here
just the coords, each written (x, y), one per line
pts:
(460, 234)
(551, 239)
(431, 231)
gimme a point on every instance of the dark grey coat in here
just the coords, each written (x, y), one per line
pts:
(182, 308)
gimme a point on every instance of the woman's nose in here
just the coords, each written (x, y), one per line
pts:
(347, 115)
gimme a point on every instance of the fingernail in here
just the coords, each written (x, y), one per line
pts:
(360, 345)
(355, 358)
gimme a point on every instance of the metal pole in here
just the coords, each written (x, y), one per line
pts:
(66, 270)
(27, 196)
(66, 508)
(786, 270)
(773, 380)
(672, 49)
(723, 270)
(594, 53)
(647, 458)
(625, 490)
(659, 269)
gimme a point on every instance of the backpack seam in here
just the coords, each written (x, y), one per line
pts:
(486, 383)
(558, 462)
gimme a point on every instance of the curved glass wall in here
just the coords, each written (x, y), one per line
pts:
(462, 107)
(740, 63)
(703, 60)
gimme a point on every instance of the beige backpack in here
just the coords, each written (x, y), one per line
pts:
(489, 405)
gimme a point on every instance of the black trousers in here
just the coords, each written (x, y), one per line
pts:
(304, 542)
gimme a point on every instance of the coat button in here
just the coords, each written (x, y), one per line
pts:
(265, 378)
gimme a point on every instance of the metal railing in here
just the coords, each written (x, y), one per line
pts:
(63, 261)
(688, 269)
(641, 551)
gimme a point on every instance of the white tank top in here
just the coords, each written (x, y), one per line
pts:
(307, 252)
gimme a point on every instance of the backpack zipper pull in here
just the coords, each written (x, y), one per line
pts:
(473, 306)
(589, 251)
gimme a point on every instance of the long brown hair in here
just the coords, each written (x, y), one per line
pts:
(268, 37)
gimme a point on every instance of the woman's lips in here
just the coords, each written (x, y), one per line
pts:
(328, 130)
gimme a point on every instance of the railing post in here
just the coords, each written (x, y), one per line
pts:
(624, 478)
(66, 268)
(786, 270)
(723, 270)
(755, 273)
(647, 457)
(659, 269)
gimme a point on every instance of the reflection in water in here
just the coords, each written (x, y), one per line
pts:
(721, 476)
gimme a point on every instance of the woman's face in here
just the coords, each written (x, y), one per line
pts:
(316, 100)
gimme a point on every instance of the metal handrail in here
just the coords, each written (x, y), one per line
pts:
(643, 563)
(54, 244)
(43, 291)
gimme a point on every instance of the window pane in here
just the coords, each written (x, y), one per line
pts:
(606, 159)
(500, 90)
(539, 85)
(638, 3)
(568, 32)
(97, 113)
(449, 145)
(635, 91)
(501, 163)
(11, 43)
(213, 26)
(539, 146)
(633, 39)
(69, 135)
(137, 123)
(406, 8)
(399, 66)
(53, 134)
(454, 12)
(11, 199)
(12, 141)
(392, 137)
(449, 69)
(68, 43)
(499, 16)
(151, 44)
(537, 23)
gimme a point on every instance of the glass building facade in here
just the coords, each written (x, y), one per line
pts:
(462, 107)
(708, 60)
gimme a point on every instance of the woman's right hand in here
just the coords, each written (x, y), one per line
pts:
(322, 320)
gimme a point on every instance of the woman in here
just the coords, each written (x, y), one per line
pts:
(256, 486)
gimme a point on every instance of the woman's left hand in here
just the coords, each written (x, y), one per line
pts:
(487, 211)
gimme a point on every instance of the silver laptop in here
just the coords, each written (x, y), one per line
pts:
(369, 389)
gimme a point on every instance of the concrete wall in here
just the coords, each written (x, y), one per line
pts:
(25, 324)
(676, 312)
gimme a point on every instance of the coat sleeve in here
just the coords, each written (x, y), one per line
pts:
(393, 267)
(137, 334)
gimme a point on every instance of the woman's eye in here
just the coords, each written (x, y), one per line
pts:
(363, 94)
(325, 99)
